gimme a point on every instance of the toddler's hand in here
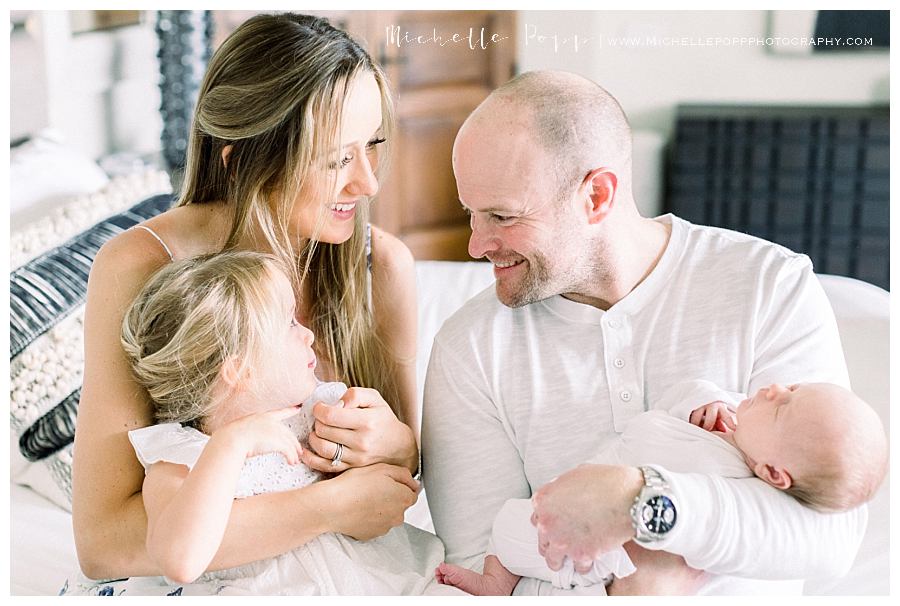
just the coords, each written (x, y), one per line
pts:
(264, 432)
(714, 416)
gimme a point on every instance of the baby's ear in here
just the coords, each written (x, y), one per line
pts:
(776, 476)
(234, 373)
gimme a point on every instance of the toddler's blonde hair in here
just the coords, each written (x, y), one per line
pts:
(191, 317)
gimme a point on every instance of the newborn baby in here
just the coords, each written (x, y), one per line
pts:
(818, 442)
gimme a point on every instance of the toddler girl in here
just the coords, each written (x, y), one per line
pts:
(216, 343)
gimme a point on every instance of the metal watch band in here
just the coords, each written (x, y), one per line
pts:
(653, 478)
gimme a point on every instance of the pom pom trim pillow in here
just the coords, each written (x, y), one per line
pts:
(47, 296)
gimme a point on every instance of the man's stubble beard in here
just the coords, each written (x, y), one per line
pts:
(531, 288)
(542, 281)
(539, 283)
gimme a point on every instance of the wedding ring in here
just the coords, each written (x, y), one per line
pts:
(337, 455)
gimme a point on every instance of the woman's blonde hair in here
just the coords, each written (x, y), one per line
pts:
(274, 92)
(191, 317)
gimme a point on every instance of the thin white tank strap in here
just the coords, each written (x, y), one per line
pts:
(160, 240)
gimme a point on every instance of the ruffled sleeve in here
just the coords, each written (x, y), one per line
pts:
(326, 392)
(168, 442)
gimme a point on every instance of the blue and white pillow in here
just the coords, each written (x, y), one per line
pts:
(47, 296)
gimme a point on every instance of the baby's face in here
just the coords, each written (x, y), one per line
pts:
(774, 418)
(791, 427)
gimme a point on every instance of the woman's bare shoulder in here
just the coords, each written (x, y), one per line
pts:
(391, 258)
(132, 253)
(185, 231)
(394, 290)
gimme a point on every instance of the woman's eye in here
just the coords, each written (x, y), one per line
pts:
(294, 322)
(341, 163)
(374, 142)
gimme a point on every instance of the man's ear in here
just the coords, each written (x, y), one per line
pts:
(226, 151)
(601, 186)
(776, 476)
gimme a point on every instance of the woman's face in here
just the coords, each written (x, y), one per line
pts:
(354, 172)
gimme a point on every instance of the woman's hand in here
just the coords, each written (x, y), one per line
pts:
(369, 501)
(368, 429)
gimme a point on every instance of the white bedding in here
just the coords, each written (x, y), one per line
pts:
(42, 547)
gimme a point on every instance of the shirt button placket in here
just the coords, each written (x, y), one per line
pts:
(618, 370)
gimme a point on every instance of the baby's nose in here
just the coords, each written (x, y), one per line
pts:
(775, 389)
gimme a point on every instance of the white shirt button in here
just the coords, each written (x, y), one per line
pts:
(613, 323)
(625, 396)
(618, 362)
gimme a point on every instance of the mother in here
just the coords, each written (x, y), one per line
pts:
(282, 159)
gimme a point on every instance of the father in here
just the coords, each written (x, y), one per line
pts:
(600, 310)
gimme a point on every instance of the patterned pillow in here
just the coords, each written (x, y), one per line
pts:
(47, 295)
(80, 212)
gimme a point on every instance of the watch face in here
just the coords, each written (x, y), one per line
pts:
(658, 514)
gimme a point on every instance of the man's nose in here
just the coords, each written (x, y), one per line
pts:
(481, 241)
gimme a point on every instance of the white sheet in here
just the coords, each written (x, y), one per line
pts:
(42, 548)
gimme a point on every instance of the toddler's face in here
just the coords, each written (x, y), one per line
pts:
(287, 370)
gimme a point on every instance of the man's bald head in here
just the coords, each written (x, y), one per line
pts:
(578, 124)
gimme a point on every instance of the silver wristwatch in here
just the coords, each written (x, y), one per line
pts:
(653, 513)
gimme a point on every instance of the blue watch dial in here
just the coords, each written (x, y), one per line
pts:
(658, 514)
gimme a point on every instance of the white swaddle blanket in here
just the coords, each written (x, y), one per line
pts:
(651, 437)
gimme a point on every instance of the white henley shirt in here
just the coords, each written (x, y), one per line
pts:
(515, 397)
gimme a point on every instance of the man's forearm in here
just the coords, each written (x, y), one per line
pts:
(745, 528)
(738, 527)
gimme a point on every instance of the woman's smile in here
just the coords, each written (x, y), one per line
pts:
(344, 210)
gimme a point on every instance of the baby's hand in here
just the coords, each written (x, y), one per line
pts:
(265, 432)
(714, 416)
